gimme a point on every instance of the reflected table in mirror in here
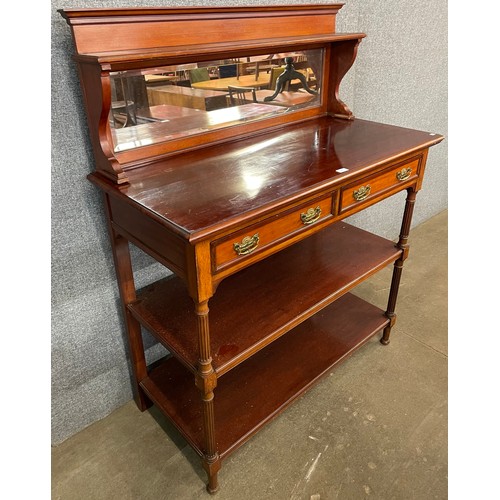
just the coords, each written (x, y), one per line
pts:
(187, 97)
(236, 81)
(152, 80)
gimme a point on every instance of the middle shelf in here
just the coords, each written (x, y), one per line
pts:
(245, 312)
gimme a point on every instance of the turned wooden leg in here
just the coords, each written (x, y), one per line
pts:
(206, 381)
(125, 277)
(398, 265)
(396, 278)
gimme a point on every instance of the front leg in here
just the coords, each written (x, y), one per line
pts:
(398, 265)
(206, 381)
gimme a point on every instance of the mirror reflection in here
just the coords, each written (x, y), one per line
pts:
(155, 105)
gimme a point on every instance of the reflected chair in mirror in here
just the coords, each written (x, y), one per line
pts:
(259, 66)
(199, 75)
(123, 105)
(123, 114)
(241, 95)
(228, 70)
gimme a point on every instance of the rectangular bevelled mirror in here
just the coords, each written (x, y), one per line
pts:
(171, 102)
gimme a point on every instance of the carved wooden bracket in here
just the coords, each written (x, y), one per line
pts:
(343, 55)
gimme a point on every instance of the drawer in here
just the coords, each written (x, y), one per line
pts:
(376, 185)
(282, 226)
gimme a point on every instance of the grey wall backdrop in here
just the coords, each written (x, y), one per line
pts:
(400, 77)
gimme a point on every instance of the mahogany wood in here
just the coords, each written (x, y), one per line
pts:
(304, 157)
(110, 40)
(398, 265)
(152, 59)
(342, 57)
(306, 277)
(149, 235)
(380, 182)
(246, 399)
(108, 30)
(273, 230)
(206, 382)
(125, 278)
(238, 322)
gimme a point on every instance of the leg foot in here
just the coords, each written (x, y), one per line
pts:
(211, 490)
(385, 340)
(212, 467)
(141, 400)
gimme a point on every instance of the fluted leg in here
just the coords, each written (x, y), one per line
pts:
(206, 381)
(398, 265)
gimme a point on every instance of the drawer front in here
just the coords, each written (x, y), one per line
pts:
(375, 185)
(282, 226)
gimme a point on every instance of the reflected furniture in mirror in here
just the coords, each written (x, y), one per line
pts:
(241, 95)
(198, 75)
(243, 201)
(187, 97)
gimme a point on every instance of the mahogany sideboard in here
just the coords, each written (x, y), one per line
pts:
(244, 204)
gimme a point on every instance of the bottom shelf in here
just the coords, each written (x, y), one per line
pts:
(256, 391)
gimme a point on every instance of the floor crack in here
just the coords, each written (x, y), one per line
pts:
(426, 345)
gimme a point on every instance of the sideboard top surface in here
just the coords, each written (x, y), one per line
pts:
(197, 190)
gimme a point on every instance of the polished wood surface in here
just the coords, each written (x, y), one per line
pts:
(304, 158)
(138, 58)
(248, 217)
(379, 182)
(139, 40)
(273, 229)
(324, 267)
(253, 384)
(105, 30)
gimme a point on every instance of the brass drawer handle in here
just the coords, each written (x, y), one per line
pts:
(403, 174)
(362, 193)
(248, 245)
(312, 215)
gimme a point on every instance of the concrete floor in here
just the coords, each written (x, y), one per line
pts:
(376, 427)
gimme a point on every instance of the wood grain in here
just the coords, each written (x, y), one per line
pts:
(107, 30)
(246, 399)
(249, 333)
(254, 307)
(267, 171)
